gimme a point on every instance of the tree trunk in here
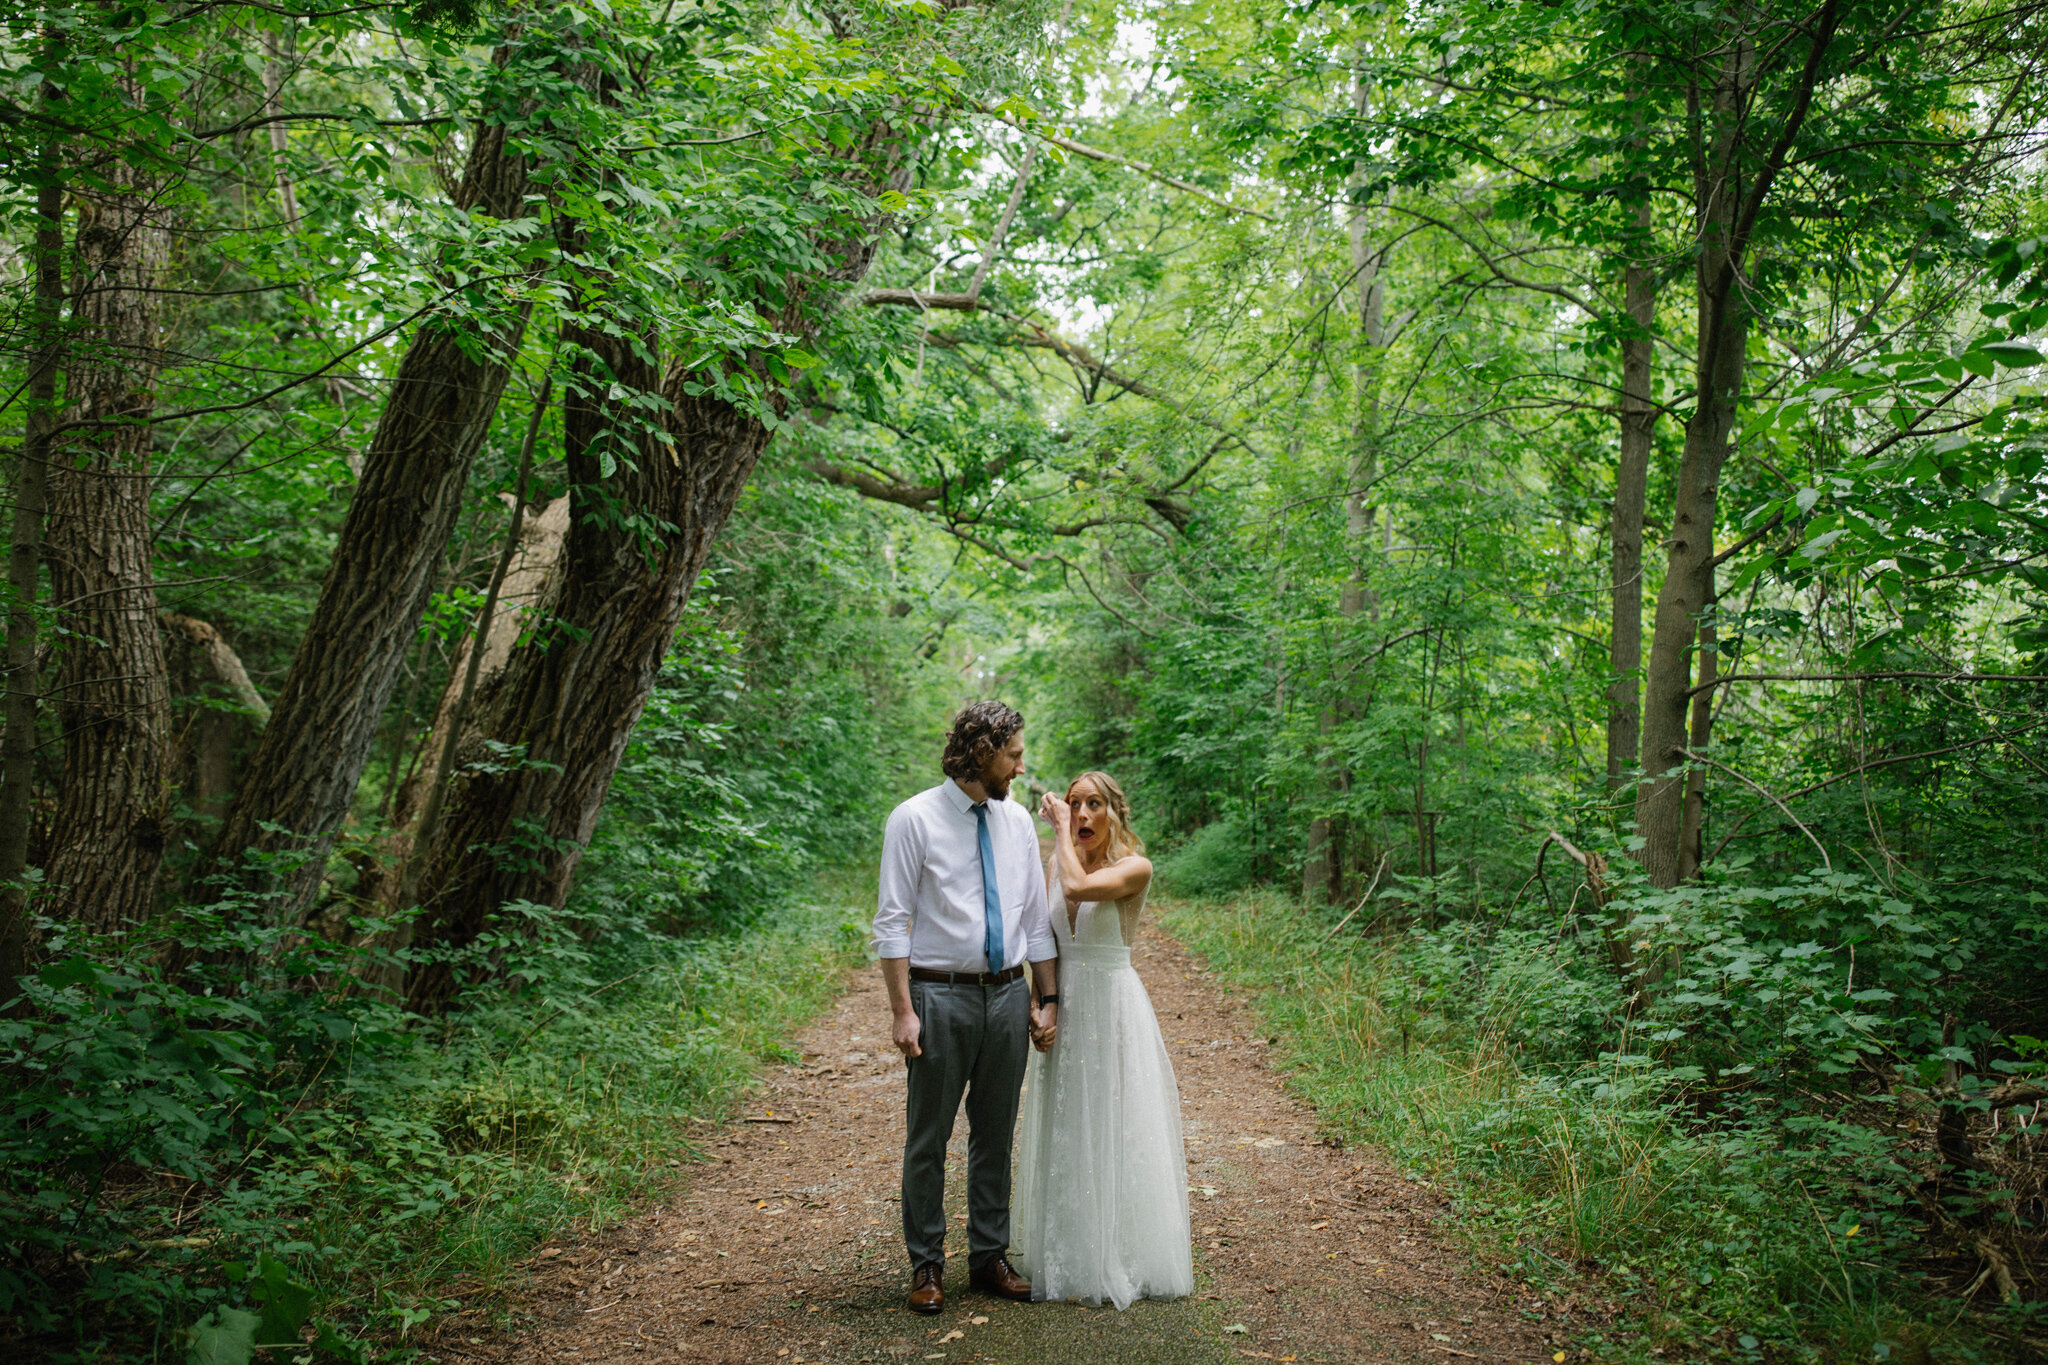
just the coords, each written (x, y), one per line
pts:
(1631, 484)
(222, 662)
(208, 669)
(1723, 336)
(567, 700)
(113, 694)
(522, 600)
(302, 778)
(31, 481)
(1323, 875)
(1692, 824)
(1729, 191)
(566, 703)
(1686, 592)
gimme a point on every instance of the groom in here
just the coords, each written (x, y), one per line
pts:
(962, 907)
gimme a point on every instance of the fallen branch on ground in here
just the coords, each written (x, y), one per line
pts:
(1374, 886)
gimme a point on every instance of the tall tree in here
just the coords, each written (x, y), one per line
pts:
(1752, 62)
(24, 564)
(1638, 344)
(1329, 855)
(302, 778)
(112, 693)
(647, 501)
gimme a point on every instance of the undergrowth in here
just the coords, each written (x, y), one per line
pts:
(1716, 1224)
(194, 1167)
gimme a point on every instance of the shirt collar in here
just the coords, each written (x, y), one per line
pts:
(959, 799)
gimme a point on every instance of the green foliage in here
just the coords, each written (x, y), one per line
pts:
(200, 1157)
(1719, 1214)
(296, 1158)
(1216, 860)
(1282, 487)
(791, 715)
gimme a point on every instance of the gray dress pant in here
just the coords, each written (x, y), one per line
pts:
(975, 1041)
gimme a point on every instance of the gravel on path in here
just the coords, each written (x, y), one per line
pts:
(786, 1247)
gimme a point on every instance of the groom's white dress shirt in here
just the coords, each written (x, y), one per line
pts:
(931, 908)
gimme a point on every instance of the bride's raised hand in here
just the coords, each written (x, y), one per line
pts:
(1054, 811)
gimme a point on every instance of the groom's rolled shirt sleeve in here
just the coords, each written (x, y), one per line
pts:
(1038, 940)
(901, 859)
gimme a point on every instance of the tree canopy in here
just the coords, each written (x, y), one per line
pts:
(498, 491)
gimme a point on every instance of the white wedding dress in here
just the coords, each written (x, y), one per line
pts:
(1101, 1207)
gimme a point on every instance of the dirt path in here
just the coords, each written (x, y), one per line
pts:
(789, 1248)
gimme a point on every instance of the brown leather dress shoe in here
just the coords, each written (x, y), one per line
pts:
(927, 1289)
(998, 1278)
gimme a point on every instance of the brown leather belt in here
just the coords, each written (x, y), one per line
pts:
(967, 978)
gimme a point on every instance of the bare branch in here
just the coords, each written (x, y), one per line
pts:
(1144, 168)
(1777, 520)
(918, 497)
(1878, 763)
(1036, 334)
(222, 659)
(1768, 796)
(995, 241)
(1869, 677)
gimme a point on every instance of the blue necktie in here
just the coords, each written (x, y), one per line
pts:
(991, 900)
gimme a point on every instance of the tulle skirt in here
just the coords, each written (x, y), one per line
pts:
(1101, 1208)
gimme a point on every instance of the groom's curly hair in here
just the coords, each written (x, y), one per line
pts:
(979, 733)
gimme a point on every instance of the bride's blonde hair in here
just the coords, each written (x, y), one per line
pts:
(1123, 840)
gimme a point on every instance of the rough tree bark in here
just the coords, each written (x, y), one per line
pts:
(113, 698)
(1732, 183)
(567, 700)
(302, 777)
(1692, 819)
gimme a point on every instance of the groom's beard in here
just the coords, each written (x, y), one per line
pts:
(998, 788)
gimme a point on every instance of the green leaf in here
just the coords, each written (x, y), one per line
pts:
(802, 359)
(331, 1343)
(1818, 546)
(2010, 353)
(225, 1336)
(73, 971)
(286, 1304)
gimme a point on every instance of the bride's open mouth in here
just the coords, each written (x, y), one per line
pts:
(1084, 833)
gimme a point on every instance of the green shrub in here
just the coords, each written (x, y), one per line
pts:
(179, 1155)
(1216, 860)
(1752, 1209)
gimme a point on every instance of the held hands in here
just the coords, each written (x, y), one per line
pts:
(1045, 1025)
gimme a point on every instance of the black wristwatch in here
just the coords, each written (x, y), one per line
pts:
(1045, 1000)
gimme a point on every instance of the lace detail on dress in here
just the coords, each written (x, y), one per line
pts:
(1101, 1207)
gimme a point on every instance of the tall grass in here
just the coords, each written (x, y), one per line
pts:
(1746, 1238)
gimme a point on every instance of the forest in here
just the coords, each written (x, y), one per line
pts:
(1544, 504)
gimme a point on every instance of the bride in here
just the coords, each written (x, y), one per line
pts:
(1101, 1202)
